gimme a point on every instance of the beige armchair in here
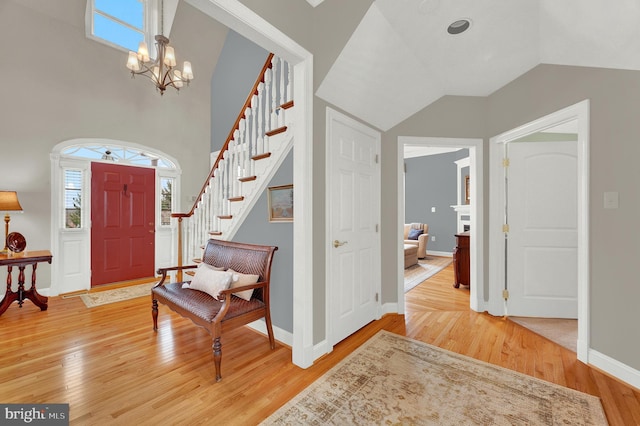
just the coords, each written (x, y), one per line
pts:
(422, 240)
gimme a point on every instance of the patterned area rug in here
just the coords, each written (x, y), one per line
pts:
(98, 298)
(392, 379)
(425, 269)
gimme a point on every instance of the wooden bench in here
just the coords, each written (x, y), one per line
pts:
(228, 311)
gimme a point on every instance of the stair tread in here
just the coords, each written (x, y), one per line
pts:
(276, 131)
(261, 156)
(247, 178)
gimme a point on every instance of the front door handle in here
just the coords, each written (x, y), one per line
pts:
(337, 243)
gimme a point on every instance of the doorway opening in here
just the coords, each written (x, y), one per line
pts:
(475, 215)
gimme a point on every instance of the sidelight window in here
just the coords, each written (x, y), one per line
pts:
(73, 188)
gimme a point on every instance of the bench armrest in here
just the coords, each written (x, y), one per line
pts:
(164, 271)
(241, 288)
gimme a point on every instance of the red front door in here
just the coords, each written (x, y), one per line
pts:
(122, 223)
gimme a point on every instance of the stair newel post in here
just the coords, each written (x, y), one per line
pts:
(274, 95)
(180, 248)
(260, 112)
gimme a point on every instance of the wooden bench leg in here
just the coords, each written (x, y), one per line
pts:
(154, 314)
(217, 357)
(267, 320)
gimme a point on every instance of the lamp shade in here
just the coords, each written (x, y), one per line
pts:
(9, 201)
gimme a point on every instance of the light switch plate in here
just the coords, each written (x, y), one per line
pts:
(433, 209)
(611, 200)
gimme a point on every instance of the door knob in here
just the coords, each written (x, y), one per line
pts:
(337, 243)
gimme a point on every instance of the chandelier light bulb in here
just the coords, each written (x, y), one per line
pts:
(132, 63)
(170, 57)
(143, 52)
(177, 78)
(187, 73)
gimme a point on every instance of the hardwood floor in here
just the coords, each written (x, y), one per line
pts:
(110, 366)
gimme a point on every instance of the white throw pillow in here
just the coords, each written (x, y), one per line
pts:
(210, 280)
(240, 279)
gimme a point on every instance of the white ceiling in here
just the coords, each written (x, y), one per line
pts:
(400, 58)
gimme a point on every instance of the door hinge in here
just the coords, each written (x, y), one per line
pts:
(505, 227)
(376, 227)
(505, 162)
(376, 297)
(505, 294)
(376, 159)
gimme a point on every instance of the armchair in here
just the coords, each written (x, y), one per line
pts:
(421, 241)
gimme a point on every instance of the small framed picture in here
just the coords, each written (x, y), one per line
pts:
(467, 190)
(280, 199)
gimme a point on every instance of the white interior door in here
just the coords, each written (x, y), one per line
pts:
(353, 212)
(542, 213)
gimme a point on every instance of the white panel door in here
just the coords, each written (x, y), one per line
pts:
(353, 213)
(542, 212)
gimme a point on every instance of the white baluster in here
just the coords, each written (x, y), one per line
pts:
(282, 92)
(289, 82)
(274, 94)
(254, 133)
(260, 114)
(246, 147)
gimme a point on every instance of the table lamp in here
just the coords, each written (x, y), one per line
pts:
(8, 203)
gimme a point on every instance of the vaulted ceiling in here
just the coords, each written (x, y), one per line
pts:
(400, 58)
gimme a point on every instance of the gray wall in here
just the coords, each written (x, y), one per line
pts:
(430, 181)
(257, 229)
(239, 64)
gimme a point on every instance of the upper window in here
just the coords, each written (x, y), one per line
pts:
(119, 22)
(118, 154)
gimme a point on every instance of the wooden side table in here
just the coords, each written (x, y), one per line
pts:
(461, 260)
(22, 260)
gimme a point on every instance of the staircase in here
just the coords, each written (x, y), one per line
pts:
(256, 146)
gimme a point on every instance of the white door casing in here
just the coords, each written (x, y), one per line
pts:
(477, 300)
(542, 242)
(495, 303)
(353, 214)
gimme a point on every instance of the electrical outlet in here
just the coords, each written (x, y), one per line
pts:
(433, 238)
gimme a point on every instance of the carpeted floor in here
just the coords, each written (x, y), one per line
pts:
(392, 379)
(426, 268)
(116, 295)
(561, 331)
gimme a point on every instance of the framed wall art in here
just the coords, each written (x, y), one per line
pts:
(280, 200)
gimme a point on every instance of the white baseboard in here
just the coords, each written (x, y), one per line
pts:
(440, 253)
(279, 334)
(388, 308)
(615, 368)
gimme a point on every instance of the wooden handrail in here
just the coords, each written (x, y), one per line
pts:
(236, 126)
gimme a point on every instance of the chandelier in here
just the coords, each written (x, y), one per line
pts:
(162, 71)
